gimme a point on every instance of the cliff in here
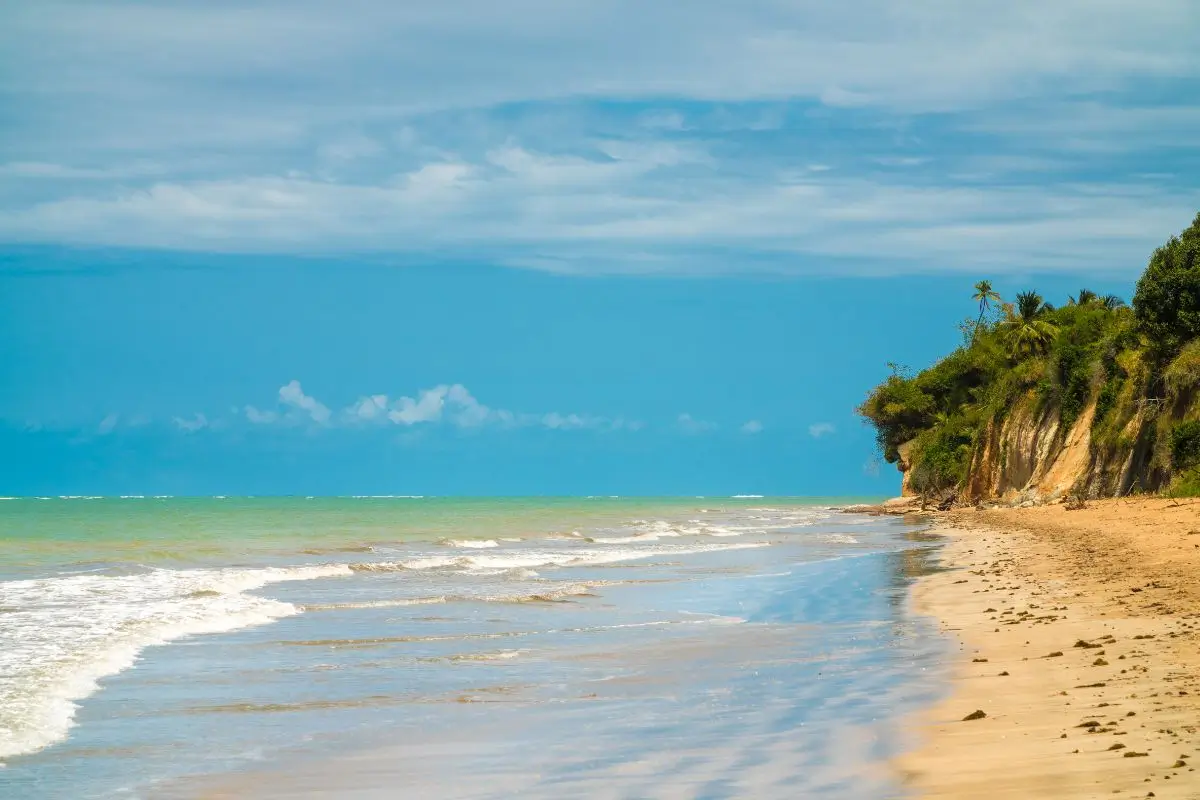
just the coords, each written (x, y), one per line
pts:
(1089, 399)
(1029, 456)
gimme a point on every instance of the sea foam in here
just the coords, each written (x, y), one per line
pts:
(62, 635)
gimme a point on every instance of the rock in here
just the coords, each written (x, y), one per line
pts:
(977, 714)
(1074, 502)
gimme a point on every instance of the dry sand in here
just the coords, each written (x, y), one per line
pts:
(1079, 639)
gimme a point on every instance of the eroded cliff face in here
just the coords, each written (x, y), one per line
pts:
(1028, 456)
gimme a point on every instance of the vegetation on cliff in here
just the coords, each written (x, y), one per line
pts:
(1135, 370)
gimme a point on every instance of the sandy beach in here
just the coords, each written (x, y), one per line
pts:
(1079, 636)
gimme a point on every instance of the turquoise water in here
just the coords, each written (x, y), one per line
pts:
(693, 647)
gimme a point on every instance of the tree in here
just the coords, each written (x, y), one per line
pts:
(985, 296)
(1166, 304)
(1112, 302)
(1030, 305)
(1024, 329)
(1085, 297)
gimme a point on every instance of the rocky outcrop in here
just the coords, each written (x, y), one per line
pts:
(1028, 456)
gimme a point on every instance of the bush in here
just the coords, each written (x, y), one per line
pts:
(1106, 401)
(1185, 445)
(1075, 382)
(1186, 485)
(1167, 301)
(942, 456)
(1182, 375)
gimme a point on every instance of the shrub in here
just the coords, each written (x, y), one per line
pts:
(1075, 382)
(942, 456)
(1167, 301)
(1182, 375)
(1185, 445)
(1106, 400)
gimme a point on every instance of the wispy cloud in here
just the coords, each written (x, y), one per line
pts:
(864, 135)
(819, 429)
(689, 424)
(752, 426)
(197, 422)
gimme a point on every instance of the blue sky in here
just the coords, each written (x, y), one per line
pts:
(536, 247)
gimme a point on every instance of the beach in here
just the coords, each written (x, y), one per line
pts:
(1078, 638)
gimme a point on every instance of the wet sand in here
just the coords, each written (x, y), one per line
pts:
(1079, 640)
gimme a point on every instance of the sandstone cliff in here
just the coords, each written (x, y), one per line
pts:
(1029, 456)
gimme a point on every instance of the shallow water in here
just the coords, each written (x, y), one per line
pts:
(458, 648)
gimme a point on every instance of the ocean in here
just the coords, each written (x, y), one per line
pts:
(448, 647)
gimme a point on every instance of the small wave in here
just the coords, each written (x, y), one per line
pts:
(839, 538)
(472, 544)
(397, 603)
(747, 497)
(552, 594)
(66, 633)
(499, 655)
(546, 558)
(387, 497)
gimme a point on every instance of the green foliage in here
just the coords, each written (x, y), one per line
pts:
(1025, 329)
(1074, 381)
(902, 407)
(1093, 348)
(1185, 445)
(1182, 375)
(1167, 300)
(1106, 400)
(1186, 485)
(942, 456)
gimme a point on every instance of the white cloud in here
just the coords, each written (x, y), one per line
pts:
(292, 395)
(197, 422)
(689, 424)
(819, 429)
(451, 404)
(369, 408)
(753, 426)
(426, 408)
(604, 215)
(108, 424)
(261, 417)
(467, 125)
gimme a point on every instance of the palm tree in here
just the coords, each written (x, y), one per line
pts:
(1024, 329)
(1031, 305)
(1112, 302)
(1085, 297)
(985, 296)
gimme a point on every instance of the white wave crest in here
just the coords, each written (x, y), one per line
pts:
(472, 544)
(529, 559)
(62, 635)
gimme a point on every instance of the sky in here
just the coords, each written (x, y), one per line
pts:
(537, 247)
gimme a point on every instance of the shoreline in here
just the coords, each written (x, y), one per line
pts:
(1079, 640)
